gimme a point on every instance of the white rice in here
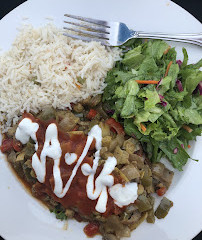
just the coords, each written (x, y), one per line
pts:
(56, 63)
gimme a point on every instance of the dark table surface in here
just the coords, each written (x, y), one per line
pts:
(192, 6)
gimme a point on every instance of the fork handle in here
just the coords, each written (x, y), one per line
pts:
(188, 38)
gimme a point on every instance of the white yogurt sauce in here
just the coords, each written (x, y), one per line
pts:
(122, 195)
(104, 179)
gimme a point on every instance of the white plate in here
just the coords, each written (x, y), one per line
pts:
(23, 217)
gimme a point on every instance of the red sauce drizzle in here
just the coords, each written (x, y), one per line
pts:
(76, 195)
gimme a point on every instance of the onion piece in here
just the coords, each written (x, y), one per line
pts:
(179, 62)
(164, 104)
(161, 97)
(175, 150)
(179, 85)
(200, 87)
(159, 84)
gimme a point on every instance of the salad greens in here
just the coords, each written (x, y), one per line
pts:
(163, 116)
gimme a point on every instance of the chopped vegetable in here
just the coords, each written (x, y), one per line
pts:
(115, 125)
(163, 208)
(147, 81)
(59, 212)
(91, 229)
(17, 145)
(161, 191)
(143, 203)
(91, 114)
(179, 85)
(121, 156)
(166, 51)
(156, 115)
(168, 68)
(78, 108)
(7, 145)
(143, 127)
(130, 172)
(187, 128)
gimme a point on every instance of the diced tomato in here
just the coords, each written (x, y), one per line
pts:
(115, 125)
(161, 191)
(91, 229)
(7, 145)
(17, 145)
(91, 114)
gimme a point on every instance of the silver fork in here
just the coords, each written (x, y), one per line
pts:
(117, 33)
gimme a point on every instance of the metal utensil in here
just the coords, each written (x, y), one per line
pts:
(117, 33)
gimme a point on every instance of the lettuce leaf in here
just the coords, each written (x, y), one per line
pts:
(156, 48)
(178, 159)
(163, 109)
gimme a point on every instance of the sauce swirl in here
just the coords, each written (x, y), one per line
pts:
(67, 168)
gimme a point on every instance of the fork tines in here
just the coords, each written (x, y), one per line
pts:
(87, 29)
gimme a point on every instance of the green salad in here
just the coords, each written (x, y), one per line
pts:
(157, 99)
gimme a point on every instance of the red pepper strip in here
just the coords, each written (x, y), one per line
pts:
(91, 114)
(161, 191)
(7, 145)
(91, 229)
(115, 125)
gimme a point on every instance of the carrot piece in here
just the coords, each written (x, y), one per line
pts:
(147, 81)
(168, 67)
(187, 128)
(143, 127)
(189, 146)
(166, 51)
(78, 86)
